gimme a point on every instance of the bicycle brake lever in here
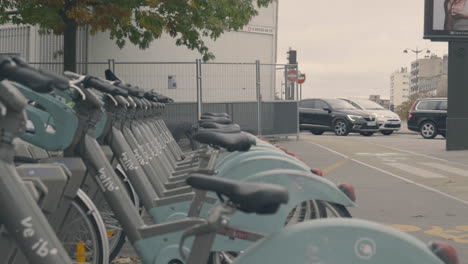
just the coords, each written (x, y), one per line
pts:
(73, 74)
(78, 89)
(112, 98)
(3, 109)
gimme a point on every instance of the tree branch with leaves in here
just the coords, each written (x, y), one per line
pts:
(140, 22)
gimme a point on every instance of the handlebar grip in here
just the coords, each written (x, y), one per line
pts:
(27, 77)
(103, 86)
(59, 82)
(156, 97)
(132, 90)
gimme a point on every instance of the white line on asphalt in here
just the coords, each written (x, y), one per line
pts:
(395, 176)
(416, 171)
(331, 150)
(450, 169)
(419, 154)
(413, 182)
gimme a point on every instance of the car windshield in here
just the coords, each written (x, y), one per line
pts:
(368, 104)
(340, 104)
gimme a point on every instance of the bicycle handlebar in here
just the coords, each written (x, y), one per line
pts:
(132, 90)
(26, 76)
(59, 82)
(103, 86)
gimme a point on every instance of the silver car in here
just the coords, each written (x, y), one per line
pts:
(388, 121)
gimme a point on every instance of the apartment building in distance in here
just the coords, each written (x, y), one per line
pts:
(429, 75)
(399, 87)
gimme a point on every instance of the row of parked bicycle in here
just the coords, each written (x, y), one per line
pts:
(94, 154)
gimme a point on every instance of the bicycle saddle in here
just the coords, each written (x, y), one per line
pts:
(216, 114)
(260, 198)
(230, 141)
(219, 120)
(222, 130)
(219, 126)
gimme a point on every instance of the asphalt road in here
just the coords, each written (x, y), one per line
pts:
(401, 180)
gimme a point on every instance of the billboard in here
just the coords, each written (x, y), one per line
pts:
(446, 20)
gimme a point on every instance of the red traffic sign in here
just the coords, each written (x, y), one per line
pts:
(292, 75)
(301, 79)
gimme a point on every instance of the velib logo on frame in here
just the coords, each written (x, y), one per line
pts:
(40, 246)
(128, 164)
(106, 181)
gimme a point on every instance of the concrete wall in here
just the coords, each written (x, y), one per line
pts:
(248, 45)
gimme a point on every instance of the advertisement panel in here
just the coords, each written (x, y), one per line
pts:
(446, 20)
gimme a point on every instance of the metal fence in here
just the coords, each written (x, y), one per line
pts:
(252, 93)
(277, 118)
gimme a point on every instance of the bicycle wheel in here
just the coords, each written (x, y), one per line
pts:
(307, 210)
(83, 234)
(332, 210)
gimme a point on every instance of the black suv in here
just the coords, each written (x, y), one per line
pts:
(428, 117)
(320, 115)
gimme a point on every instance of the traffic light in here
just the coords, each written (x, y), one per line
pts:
(292, 57)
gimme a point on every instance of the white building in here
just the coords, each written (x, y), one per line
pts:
(429, 74)
(399, 87)
(164, 66)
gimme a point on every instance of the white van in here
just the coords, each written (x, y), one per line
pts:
(388, 121)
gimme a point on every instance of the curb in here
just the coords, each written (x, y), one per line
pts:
(406, 133)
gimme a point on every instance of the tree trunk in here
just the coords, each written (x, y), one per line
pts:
(69, 46)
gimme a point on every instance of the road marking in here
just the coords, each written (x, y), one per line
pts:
(416, 171)
(413, 182)
(407, 228)
(419, 154)
(457, 234)
(385, 157)
(394, 175)
(446, 168)
(335, 165)
(331, 150)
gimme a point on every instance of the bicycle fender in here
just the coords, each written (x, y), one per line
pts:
(255, 163)
(339, 241)
(234, 161)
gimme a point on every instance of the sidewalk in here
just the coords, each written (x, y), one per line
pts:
(404, 129)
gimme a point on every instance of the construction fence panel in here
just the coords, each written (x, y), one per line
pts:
(177, 80)
(278, 117)
(228, 82)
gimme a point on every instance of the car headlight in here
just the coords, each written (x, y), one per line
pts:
(354, 117)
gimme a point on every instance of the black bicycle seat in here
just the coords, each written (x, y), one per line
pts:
(213, 119)
(216, 114)
(230, 141)
(219, 126)
(222, 130)
(232, 128)
(260, 198)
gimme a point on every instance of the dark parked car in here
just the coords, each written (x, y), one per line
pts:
(428, 117)
(320, 115)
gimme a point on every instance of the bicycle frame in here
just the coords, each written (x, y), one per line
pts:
(19, 212)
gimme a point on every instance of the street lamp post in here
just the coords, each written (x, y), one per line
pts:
(416, 51)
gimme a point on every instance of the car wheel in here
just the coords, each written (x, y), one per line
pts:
(367, 134)
(387, 132)
(428, 130)
(340, 127)
(317, 132)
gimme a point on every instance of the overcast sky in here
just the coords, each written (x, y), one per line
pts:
(350, 48)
